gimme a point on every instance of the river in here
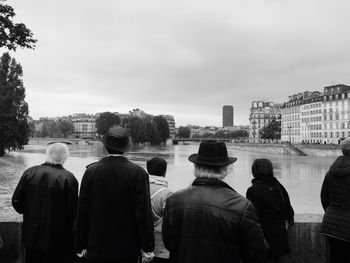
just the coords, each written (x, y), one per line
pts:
(302, 176)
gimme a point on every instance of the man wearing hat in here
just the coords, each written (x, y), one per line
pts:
(335, 198)
(209, 221)
(114, 217)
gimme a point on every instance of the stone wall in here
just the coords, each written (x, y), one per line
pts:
(307, 245)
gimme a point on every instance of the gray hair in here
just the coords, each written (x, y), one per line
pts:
(345, 146)
(57, 153)
(203, 171)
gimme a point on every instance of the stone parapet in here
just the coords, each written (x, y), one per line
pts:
(307, 245)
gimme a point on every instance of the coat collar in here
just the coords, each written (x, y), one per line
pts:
(113, 158)
(211, 181)
(59, 166)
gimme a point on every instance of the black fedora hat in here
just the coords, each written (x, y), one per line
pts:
(116, 138)
(212, 153)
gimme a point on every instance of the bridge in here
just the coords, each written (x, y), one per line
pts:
(177, 140)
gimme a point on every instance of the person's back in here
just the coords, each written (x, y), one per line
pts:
(209, 221)
(335, 198)
(159, 191)
(218, 225)
(47, 197)
(114, 220)
(272, 203)
(111, 192)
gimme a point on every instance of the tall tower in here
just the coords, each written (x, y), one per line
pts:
(227, 116)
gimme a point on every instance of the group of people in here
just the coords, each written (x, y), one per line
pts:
(124, 214)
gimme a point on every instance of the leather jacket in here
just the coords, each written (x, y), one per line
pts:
(211, 222)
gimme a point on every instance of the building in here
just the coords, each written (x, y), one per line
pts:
(336, 113)
(261, 113)
(227, 116)
(84, 125)
(311, 119)
(292, 116)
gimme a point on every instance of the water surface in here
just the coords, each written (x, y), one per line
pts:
(302, 176)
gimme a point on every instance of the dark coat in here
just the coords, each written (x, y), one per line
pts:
(335, 198)
(114, 218)
(47, 197)
(210, 222)
(272, 203)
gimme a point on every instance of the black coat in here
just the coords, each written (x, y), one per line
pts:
(335, 198)
(114, 217)
(272, 203)
(210, 222)
(47, 197)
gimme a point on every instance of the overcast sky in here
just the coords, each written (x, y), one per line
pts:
(184, 58)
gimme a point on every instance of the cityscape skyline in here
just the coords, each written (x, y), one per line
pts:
(181, 58)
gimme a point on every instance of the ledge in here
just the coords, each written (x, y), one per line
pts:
(307, 245)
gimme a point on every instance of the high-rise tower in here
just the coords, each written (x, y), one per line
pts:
(227, 116)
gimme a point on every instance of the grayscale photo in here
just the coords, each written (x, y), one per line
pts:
(174, 131)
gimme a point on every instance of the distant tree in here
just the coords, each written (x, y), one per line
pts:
(138, 130)
(32, 131)
(13, 35)
(65, 128)
(43, 131)
(153, 135)
(52, 129)
(14, 128)
(183, 132)
(106, 120)
(163, 127)
(271, 131)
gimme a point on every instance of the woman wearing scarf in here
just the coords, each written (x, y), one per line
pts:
(275, 212)
(156, 167)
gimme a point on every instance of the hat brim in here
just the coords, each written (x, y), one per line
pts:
(194, 159)
(113, 147)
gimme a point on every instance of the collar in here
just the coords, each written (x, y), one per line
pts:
(211, 181)
(60, 166)
(158, 180)
(266, 179)
(115, 155)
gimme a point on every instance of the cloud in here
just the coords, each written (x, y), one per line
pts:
(185, 58)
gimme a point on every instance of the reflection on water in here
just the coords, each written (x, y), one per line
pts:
(301, 175)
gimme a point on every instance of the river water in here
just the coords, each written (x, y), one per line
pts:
(302, 176)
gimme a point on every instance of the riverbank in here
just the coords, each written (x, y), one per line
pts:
(307, 245)
(322, 150)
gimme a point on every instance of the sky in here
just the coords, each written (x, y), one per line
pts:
(183, 58)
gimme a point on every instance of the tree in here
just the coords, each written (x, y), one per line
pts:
(106, 120)
(271, 131)
(183, 132)
(65, 128)
(13, 35)
(163, 127)
(14, 128)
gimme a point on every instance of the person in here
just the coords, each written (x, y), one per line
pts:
(47, 196)
(335, 199)
(272, 203)
(159, 191)
(209, 221)
(114, 216)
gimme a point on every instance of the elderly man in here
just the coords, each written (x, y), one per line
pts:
(47, 197)
(209, 221)
(114, 217)
(335, 198)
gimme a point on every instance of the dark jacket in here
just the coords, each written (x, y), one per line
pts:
(47, 197)
(211, 222)
(335, 198)
(272, 203)
(114, 218)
